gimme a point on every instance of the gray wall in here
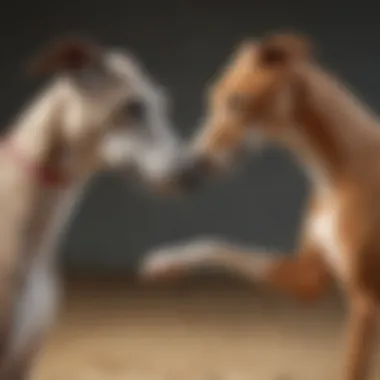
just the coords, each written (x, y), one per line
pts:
(182, 43)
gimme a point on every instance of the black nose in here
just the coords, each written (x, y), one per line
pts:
(192, 174)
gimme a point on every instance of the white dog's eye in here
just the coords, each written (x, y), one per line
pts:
(135, 109)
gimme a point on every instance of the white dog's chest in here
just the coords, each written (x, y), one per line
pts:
(323, 230)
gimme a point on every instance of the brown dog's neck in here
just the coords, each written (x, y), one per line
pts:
(334, 134)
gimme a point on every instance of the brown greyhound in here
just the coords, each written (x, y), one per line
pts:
(101, 110)
(274, 90)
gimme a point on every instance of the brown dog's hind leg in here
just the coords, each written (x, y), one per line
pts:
(362, 334)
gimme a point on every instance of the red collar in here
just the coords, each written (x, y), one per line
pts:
(47, 176)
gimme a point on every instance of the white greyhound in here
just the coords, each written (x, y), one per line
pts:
(101, 111)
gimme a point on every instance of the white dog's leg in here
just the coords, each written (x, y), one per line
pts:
(35, 312)
(37, 306)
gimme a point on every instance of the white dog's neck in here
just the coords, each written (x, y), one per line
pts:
(34, 129)
(40, 136)
(44, 212)
(33, 136)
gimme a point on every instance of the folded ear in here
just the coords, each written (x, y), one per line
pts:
(69, 54)
(284, 48)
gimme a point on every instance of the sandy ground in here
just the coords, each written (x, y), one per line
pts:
(203, 330)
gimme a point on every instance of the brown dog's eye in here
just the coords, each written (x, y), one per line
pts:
(238, 102)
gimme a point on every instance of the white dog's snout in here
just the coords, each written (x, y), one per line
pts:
(161, 163)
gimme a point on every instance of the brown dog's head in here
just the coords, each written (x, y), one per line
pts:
(252, 99)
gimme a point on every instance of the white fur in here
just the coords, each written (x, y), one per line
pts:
(323, 230)
(36, 308)
(322, 226)
(208, 252)
(35, 215)
(154, 149)
(180, 256)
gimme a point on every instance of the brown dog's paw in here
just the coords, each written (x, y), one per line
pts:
(161, 265)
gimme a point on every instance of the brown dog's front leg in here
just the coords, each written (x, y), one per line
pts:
(361, 330)
(303, 275)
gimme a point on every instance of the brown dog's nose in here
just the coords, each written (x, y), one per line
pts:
(192, 174)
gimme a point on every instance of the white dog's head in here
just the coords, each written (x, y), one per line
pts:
(108, 111)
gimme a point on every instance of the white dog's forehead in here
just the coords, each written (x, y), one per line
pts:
(137, 80)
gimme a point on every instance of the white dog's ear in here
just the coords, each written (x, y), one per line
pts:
(70, 54)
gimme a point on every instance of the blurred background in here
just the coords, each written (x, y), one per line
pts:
(182, 43)
(205, 330)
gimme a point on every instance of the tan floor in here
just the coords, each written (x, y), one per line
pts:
(202, 331)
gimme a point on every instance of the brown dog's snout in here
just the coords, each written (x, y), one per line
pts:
(193, 174)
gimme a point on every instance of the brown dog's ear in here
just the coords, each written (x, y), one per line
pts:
(67, 54)
(284, 48)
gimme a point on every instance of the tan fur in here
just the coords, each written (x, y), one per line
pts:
(286, 95)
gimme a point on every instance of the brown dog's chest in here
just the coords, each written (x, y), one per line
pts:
(323, 230)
